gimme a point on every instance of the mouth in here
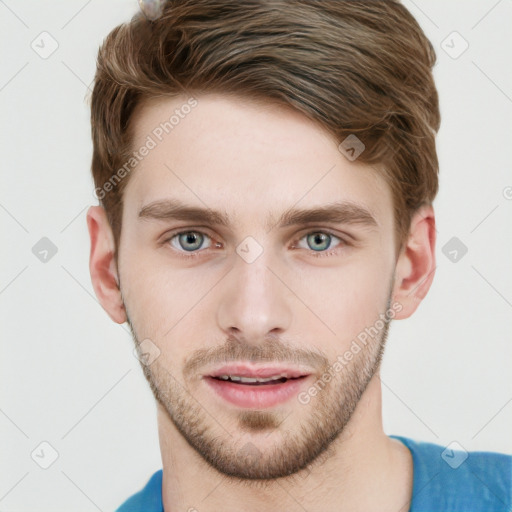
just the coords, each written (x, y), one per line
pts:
(254, 381)
(250, 386)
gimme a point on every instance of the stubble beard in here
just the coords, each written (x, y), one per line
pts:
(297, 444)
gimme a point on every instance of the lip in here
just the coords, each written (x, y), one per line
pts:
(260, 396)
(248, 370)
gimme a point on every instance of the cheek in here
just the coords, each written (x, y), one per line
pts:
(166, 302)
(347, 298)
(157, 296)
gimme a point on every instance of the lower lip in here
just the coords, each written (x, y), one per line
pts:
(258, 396)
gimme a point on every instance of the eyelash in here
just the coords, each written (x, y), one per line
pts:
(198, 253)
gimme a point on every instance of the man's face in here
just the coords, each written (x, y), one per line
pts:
(256, 291)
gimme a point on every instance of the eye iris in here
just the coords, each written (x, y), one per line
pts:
(323, 239)
(195, 239)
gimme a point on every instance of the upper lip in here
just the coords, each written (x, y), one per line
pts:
(253, 370)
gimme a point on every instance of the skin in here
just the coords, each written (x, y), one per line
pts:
(253, 162)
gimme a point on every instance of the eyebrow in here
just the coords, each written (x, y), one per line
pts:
(343, 212)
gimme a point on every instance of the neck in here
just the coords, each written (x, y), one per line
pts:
(362, 470)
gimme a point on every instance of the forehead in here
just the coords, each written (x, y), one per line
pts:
(245, 158)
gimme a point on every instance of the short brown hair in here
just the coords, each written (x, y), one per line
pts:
(354, 66)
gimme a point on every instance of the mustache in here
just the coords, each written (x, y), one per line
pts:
(271, 350)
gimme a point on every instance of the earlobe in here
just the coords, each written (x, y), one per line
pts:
(416, 264)
(102, 264)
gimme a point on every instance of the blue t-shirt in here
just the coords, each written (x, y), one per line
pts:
(444, 480)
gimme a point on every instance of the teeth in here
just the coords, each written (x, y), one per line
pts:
(250, 380)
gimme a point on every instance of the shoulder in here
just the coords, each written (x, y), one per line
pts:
(449, 478)
(149, 499)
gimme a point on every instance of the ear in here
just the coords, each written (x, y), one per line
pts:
(102, 264)
(416, 263)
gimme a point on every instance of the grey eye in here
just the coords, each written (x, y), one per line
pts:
(319, 241)
(189, 240)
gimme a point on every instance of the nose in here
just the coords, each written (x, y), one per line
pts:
(254, 303)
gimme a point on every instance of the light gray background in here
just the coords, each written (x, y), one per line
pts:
(68, 374)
